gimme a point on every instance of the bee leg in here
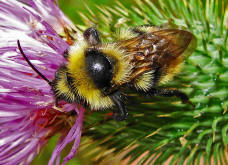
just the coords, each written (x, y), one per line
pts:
(121, 113)
(66, 53)
(56, 101)
(169, 93)
(56, 105)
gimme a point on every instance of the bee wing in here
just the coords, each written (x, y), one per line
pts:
(167, 42)
(179, 42)
(159, 48)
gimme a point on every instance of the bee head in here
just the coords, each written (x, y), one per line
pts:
(92, 36)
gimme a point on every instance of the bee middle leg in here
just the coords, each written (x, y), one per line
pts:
(120, 113)
(169, 93)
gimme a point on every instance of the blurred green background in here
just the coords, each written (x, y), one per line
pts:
(72, 8)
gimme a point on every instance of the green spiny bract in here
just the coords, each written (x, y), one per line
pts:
(160, 128)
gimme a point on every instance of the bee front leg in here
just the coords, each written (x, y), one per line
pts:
(66, 54)
(121, 113)
(56, 101)
(169, 93)
(56, 106)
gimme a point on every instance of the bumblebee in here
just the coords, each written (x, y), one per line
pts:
(141, 59)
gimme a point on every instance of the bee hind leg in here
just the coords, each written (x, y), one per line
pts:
(169, 93)
(121, 113)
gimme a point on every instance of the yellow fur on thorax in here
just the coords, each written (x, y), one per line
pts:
(123, 66)
(84, 84)
(125, 33)
(147, 29)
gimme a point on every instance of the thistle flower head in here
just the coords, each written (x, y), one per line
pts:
(27, 116)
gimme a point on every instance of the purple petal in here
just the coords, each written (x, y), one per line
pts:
(74, 134)
(27, 117)
(50, 12)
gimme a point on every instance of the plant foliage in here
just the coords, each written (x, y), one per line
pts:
(157, 128)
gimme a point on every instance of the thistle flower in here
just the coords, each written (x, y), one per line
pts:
(27, 116)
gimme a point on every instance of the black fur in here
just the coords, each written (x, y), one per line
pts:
(121, 112)
(99, 68)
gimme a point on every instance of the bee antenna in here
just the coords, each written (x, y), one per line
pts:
(30, 64)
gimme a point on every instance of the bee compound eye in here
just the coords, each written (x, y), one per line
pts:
(99, 68)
